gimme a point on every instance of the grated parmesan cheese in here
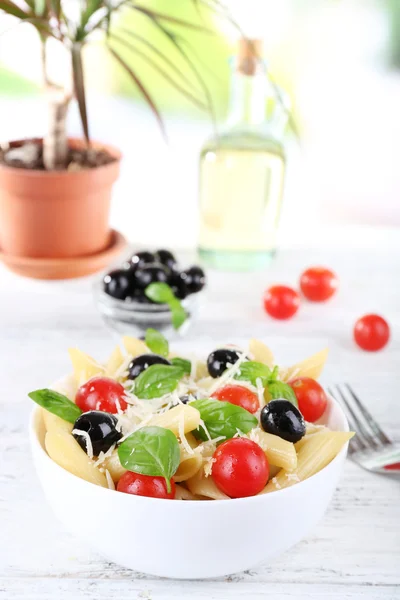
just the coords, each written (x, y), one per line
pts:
(110, 482)
(181, 431)
(88, 441)
(292, 477)
(104, 455)
(208, 466)
(276, 483)
(260, 392)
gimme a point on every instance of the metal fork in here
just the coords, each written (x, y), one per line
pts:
(370, 448)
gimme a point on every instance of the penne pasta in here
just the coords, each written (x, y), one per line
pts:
(182, 415)
(200, 485)
(314, 454)
(188, 466)
(62, 447)
(261, 353)
(278, 451)
(309, 367)
(114, 362)
(54, 423)
(84, 366)
(273, 471)
(182, 493)
(114, 467)
(133, 346)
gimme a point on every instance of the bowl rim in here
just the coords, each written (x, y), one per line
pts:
(37, 446)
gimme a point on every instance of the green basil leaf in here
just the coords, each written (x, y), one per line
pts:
(56, 403)
(151, 451)
(156, 342)
(251, 371)
(163, 294)
(278, 389)
(275, 374)
(222, 419)
(184, 364)
(157, 380)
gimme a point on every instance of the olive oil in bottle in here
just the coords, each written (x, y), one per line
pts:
(242, 173)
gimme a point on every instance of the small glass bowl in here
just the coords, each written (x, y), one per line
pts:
(133, 318)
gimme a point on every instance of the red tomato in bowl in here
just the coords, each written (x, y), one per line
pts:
(318, 284)
(145, 485)
(310, 396)
(239, 395)
(371, 332)
(101, 393)
(281, 302)
(240, 468)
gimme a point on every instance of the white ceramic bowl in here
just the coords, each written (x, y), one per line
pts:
(187, 539)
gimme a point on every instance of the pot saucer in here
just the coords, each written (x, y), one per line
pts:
(66, 268)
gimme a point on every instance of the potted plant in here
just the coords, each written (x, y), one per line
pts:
(55, 192)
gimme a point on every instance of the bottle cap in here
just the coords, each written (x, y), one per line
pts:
(249, 55)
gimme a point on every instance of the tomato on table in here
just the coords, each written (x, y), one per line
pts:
(371, 332)
(310, 396)
(281, 302)
(240, 468)
(145, 485)
(239, 395)
(318, 284)
(101, 393)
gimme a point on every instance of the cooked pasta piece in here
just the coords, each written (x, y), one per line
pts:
(200, 485)
(114, 362)
(134, 346)
(309, 367)
(85, 367)
(278, 451)
(189, 465)
(315, 453)
(182, 493)
(273, 471)
(54, 423)
(114, 467)
(182, 415)
(261, 353)
(62, 447)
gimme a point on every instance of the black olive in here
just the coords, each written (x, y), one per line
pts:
(187, 398)
(166, 258)
(101, 427)
(178, 285)
(194, 278)
(281, 417)
(140, 259)
(142, 362)
(220, 360)
(154, 273)
(118, 284)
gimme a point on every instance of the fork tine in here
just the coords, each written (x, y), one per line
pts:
(368, 417)
(356, 442)
(364, 435)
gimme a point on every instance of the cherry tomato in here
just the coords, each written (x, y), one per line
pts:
(145, 485)
(101, 393)
(239, 395)
(240, 468)
(310, 396)
(318, 284)
(371, 332)
(281, 302)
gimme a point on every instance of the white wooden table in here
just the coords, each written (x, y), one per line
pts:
(353, 553)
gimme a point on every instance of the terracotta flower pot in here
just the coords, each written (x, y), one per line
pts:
(56, 214)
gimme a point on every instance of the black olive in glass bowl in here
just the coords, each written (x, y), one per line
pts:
(220, 360)
(142, 362)
(178, 285)
(153, 273)
(194, 278)
(140, 259)
(282, 418)
(119, 284)
(101, 428)
(166, 258)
